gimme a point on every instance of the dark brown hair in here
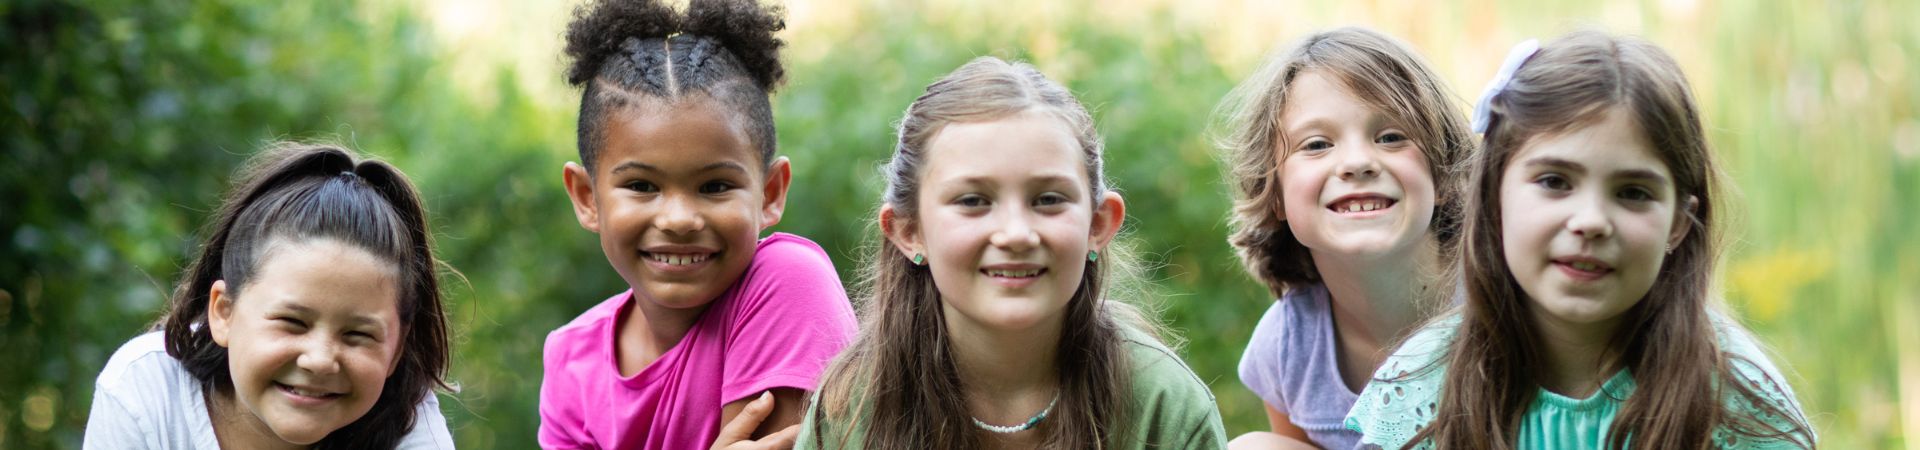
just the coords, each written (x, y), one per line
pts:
(1386, 74)
(899, 375)
(299, 192)
(1668, 339)
(627, 52)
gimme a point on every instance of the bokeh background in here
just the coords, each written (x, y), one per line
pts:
(123, 120)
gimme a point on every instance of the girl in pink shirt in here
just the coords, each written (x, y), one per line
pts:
(678, 177)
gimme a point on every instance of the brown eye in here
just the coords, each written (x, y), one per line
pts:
(1553, 182)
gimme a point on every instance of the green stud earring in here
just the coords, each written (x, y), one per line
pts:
(919, 260)
(1093, 255)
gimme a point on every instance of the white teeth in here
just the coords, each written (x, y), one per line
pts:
(678, 260)
(1364, 205)
(1013, 273)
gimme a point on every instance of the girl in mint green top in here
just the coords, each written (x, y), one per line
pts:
(986, 322)
(1587, 257)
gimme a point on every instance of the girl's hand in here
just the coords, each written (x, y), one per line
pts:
(734, 435)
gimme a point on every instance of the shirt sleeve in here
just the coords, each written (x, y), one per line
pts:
(1261, 364)
(1781, 413)
(110, 425)
(790, 319)
(561, 424)
(429, 428)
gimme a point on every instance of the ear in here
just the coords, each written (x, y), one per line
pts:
(1109, 213)
(1683, 223)
(219, 311)
(580, 190)
(779, 176)
(902, 235)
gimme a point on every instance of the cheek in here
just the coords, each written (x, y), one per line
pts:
(1299, 190)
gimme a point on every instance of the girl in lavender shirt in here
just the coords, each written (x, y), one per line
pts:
(1342, 149)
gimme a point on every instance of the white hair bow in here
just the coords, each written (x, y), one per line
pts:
(1483, 112)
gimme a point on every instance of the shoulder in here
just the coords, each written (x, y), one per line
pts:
(1752, 368)
(429, 427)
(1400, 398)
(143, 365)
(789, 274)
(1164, 388)
(146, 397)
(790, 249)
(583, 337)
(1275, 347)
(587, 325)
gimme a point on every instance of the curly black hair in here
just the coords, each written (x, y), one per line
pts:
(626, 50)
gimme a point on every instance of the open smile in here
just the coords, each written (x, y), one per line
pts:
(1014, 276)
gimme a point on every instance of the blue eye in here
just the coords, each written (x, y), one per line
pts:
(1391, 137)
(1316, 145)
(971, 201)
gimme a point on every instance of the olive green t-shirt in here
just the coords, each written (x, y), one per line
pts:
(1175, 409)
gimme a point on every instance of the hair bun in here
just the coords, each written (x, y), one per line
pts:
(601, 29)
(745, 28)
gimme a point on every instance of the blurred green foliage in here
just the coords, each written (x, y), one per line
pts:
(123, 121)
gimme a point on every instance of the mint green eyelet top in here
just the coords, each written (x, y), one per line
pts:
(1395, 406)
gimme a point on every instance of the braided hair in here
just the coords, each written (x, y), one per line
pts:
(628, 52)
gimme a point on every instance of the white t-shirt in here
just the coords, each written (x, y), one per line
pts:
(144, 399)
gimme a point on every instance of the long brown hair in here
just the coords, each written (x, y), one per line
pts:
(303, 191)
(1667, 340)
(899, 374)
(1386, 74)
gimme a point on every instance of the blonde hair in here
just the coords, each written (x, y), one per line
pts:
(1384, 73)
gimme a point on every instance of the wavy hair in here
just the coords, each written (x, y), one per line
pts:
(1383, 72)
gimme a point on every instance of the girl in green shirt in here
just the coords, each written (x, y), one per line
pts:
(985, 315)
(1588, 255)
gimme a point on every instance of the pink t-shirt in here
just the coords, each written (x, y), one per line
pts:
(778, 327)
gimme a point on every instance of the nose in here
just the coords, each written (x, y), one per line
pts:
(1590, 221)
(1359, 162)
(679, 215)
(1016, 232)
(321, 356)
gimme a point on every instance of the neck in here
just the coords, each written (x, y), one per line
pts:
(234, 427)
(1577, 356)
(1008, 375)
(1377, 298)
(649, 330)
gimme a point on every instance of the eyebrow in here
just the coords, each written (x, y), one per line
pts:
(640, 166)
(1632, 174)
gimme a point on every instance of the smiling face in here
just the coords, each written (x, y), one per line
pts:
(678, 197)
(1586, 217)
(1006, 218)
(1351, 181)
(310, 339)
